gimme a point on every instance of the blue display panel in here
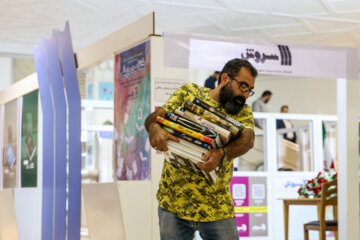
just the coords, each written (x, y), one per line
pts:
(48, 142)
(61, 105)
(57, 89)
(74, 126)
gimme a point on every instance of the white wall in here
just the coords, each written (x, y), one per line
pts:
(302, 95)
(199, 76)
(6, 77)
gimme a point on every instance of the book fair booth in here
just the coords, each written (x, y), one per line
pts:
(122, 79)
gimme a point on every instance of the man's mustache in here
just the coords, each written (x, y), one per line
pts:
(239, 98)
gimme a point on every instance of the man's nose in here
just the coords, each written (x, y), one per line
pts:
(245, 94)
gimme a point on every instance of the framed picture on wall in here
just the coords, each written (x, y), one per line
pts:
(10, 163)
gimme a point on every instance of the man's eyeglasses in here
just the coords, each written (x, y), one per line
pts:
(243, 86)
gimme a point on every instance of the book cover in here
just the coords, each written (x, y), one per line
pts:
(187, 138)
(192, 148)
(191, 125)
(180, 156)
(218, 113)
(225, 134)
(185, 130)
(219, 143)
(211, 117)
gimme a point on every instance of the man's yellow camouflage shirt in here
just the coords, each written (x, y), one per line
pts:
(187, 194)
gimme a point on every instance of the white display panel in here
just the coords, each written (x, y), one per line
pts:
(8, 224)
(103, 211)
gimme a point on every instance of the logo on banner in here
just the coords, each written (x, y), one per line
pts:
(269, 58)
(261, 57)
(285, 55)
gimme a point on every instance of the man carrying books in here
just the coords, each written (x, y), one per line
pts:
(188, 202)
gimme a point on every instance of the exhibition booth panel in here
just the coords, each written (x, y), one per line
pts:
(142, 70)
(21, 161)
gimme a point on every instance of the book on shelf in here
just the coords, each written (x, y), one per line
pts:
(225, 134)
(192, 107)
(222, 115)
(186, 155)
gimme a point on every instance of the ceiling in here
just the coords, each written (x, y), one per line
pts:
(327, 22)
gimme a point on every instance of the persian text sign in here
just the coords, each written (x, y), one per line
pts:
(269, 59)
(165, 87)
(212, 52)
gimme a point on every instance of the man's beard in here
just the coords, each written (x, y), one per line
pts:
(229, 101)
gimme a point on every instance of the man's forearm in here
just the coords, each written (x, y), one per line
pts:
(152, 118)
(241, 145)
(157, 135)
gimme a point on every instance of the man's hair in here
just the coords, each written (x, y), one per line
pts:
(283, 106)
(266, 93)
(233, 67)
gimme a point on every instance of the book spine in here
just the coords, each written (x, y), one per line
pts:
(185, 130)
(190, 125)
(193, 147)
(189, 150)
(218, 113)
(219, 142)
(187, 138)
(225, 134)
(211, 117)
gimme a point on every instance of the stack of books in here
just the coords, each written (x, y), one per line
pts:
(199, 128)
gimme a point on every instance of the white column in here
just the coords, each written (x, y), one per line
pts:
(6, 72)
(348, 181)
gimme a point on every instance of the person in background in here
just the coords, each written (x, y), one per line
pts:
(187, 202)
(285, 123)
(211, 80)
(260, 106)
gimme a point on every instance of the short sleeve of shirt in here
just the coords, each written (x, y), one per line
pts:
(246, 117)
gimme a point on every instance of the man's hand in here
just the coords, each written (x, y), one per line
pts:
(158, 137)
(212, 159)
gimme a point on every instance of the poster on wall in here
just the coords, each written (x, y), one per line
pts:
(10, 144)
(106, 91)
(131, 107)
(29, 134)
(250, 202)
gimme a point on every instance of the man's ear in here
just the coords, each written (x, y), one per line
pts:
(224, 78)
